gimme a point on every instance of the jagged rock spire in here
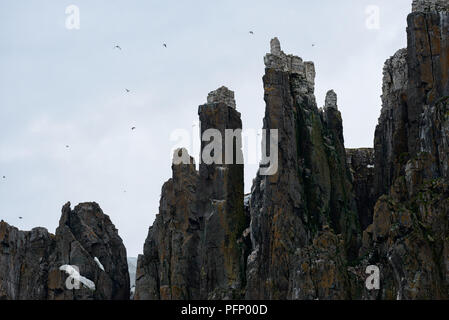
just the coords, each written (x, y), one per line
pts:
(222, 95)
(278, 60)
(331, 100)
(430, 5)
(275, 47)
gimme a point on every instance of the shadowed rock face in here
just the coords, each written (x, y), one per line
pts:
(414, 80)
(307, 232)
(311, 191)
(170, 266)
(194, 249)
(328, 213)
(361, 162)
(30, 260)
(24, 262)
(409, 235)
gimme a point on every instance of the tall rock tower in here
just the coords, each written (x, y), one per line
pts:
(410, 230)
(193, 250)
(310, 194)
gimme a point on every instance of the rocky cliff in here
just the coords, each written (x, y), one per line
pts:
(309, 230)
(194, 250)
(31, 261)
(312, 189)
(409, 235)
(327, 213)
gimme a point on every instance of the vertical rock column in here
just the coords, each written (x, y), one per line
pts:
(415, 79)
(220, 200)
(170, 265)
(311, 190)
(194, 248)
(409, 234)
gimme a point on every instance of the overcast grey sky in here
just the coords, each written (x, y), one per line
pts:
(67, 87)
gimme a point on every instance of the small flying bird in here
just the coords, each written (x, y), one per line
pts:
(4, 177)
(313, 44)
(118, 47)
(128, 91)
(165, 45)
(133, 128)
(251, 32)
(67, 146)
(20, 218)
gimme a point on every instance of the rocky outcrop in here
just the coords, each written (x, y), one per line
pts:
(308, 230)
(170, 265)
(327, 213)
(311, 190)
(30, 261)
(408, 238)
(361, 162)
(391, 141)
(220, 200)
(24, 262)
(430, 5)
(414, 79)
(194, 249)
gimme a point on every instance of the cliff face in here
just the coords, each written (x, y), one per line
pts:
(414, 80)
(327, 213)
(24, 262)
(307, 231)
(409, 235)
(30, 261)
(170, 266)
(194, 250)
(290, 209)
(361, 162)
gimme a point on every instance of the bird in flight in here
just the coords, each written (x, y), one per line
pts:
(251, 32)
(165, 45)
(313, 44)
(67, 146)
(128, 91)
(133, 128)
(4, 177)
(20, 218)
(118, 47)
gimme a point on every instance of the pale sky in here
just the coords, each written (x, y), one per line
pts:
(67, 87)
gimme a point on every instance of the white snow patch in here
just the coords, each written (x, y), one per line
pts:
(72, 272)
(99, 263)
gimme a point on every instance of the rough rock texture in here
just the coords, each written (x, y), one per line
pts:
(409, 235)
(430, 5)
(30, 260)
(83, 234)
(24, 262)
(220, 199)
(195, 248)
(361, 162)
(312, 188)
(310, 230)
(391, 142)
(170, 266)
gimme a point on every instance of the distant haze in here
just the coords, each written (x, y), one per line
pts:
(66, 117)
